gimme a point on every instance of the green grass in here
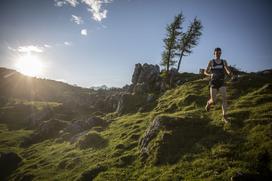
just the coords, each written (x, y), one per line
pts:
(202, 147)
(10, 140)
(39, 105)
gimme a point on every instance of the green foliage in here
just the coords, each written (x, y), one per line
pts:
(170, 42)
(189, 39)
(178, 43)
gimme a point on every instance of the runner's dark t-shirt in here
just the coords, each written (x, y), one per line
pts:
(218, 74)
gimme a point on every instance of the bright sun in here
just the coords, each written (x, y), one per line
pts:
(29, 65)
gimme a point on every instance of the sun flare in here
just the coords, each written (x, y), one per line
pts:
(29, 64)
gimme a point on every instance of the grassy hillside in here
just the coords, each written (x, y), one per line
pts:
(189, 144)
(15, 86)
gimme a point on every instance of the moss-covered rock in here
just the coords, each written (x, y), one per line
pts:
(168, 138)
(47, 130)
(91, 173)
(125, 160)
(92, 140)
(78, 126)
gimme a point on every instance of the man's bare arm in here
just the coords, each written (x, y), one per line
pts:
(208, 69)
(227, 68)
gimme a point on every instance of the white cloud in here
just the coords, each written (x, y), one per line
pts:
(76, 19)
(72, 3)
(67, 43)
(30, 48)
(12, 49)
(59, 3)
(84, 32)
(95, 7)
(47, 46)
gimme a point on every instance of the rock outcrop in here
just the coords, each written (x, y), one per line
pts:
(146, 82)
(146, 78)
(154, 128)
(130, 103)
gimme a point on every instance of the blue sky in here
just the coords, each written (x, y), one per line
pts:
(91, 43)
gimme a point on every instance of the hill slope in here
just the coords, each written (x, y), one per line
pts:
(75, 101)
(174, 141)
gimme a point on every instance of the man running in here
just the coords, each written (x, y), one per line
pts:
(216, 70)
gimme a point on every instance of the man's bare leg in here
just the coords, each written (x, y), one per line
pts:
(212, 99)
(223, 92)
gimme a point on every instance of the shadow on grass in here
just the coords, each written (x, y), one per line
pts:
(179, 136)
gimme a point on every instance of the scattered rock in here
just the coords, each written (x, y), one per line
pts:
(73, 163)
(117, 153)
(125, 160)
(120, 147)
(8, 163)
(92, 140)
(36, 118)
(141, 109)
(91, 173)
(132, 145)
(78, 136)
(69, 163)
(150, 98)
(78, 126)
(134, 137)
(98, 129)
(47, 130)
(25, 177)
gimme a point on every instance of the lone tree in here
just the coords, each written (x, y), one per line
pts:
(171, 42)
(189, 40)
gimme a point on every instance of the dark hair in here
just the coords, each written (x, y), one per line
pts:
(217, 49)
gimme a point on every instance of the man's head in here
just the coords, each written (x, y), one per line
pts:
(217, 52)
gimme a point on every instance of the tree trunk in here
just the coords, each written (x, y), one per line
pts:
(168, 65)
(181, 55)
